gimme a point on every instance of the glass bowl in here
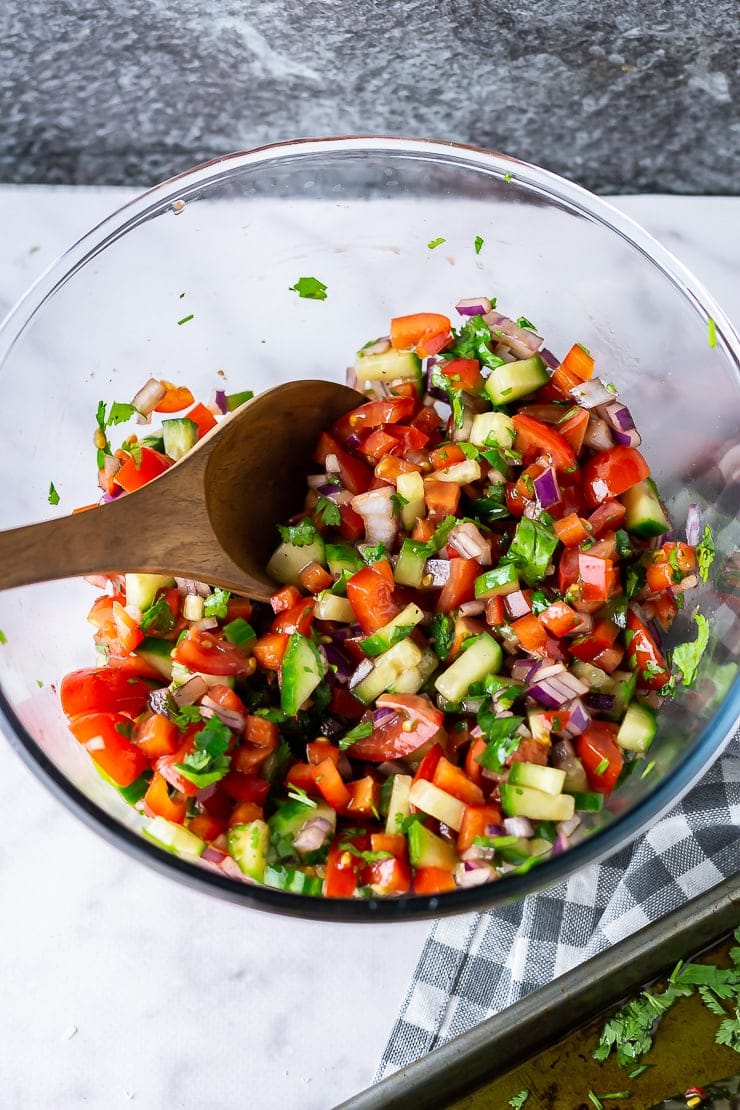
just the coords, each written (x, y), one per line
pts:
(191, 282)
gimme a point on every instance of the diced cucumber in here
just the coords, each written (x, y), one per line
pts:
(591, 675)
(248, 844)
(286, 824)
(638, 728)
(426, 849)
(526, 801)
(180, 436)
(292, 879)
(513, 380)
(174, 838)
(549, 780)
(411, 564)
(398, 805)
(461, 473)
(412, 680)
(482, 656)
(141, 589)
(411, 488)
(388, 669)
(644, 516)
(331, 607)
(158, 654)
(622, 685)
(340, 557)
(588, 801)
(288, 560)
(388, 366)
(437, 803)
(397, 629)
(497, 582)
(300, 673)
(492, 429)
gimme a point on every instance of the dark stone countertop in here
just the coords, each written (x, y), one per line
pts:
(622, 97)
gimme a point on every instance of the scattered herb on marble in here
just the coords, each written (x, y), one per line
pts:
(310, 288)
(186, 319)
(479, 241)
(436, 243)
(3, 637)
(53, 495)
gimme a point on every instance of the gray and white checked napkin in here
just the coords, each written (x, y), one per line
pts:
(473, 966)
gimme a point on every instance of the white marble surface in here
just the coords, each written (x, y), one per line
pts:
(120, 987)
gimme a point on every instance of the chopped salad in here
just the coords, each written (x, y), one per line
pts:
(462, 658)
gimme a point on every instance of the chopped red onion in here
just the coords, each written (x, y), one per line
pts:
(549, 358)
(346, 632)
(351, 378)
(619, 418)
(230, 867)
(560, 844)
(567, 828)
(435, 391)
(468, 541)
(149, 396)
(546, 488)
(522, 668)
(220, 401)
(584, 626)
(592, 393)
(190, 692)
(521, 341)
(212, 855)
(191, 586)
(313, 834)
(337, 659)
(353, 441)
(598, 434)
(315, 481)
(472, 608)
(205, 623)
(579, 718)
(517, 605)
(518, 826)
(475, 306)
(563, 756)
(231, 718)
(554, 692)
(379, 347)
(602, 703)
(382, 716)
(362, 670)
(470, 873)
(439, 570)
(693, 524)
(99, 581)
(377, 511)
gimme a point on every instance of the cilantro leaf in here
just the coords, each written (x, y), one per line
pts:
(53, 495)
(398, 501)
(298, 794)
(359, 732)
(300, 535)
(367, 856)
(186, 319)
(532, 549)
(310, 288)
(442, 634)
(215, 605)
(516, 1102)
(328, 512)
(454, 399)
(686, 656)
(435, 243)
(207, 762)
(523, 322)
(119, 413)
(474, 340)
(158, 616)
(374, 553)
(478, 243)
(502, 740)
(705, 553)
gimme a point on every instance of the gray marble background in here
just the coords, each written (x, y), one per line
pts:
(623, 96)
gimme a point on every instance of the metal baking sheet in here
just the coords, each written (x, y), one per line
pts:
(506, 1045)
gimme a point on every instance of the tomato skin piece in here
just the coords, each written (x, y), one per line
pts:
(371, 596)
(534, 436)
(454, 781)
(644, 655)
(596, 744)
(212, 654)
(611, 472)
(103, 689)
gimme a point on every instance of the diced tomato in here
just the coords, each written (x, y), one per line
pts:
(161, 800)
(136, 472)
(416, 720)
(596, 576)
(442, 499)
(157, 735)
(561, 382)
(300, 775)
(207, 828)
(454, 781)
(606, 518)
(353, 473)
(433, 344)
(342, 867)
(364, 798)
(571, 530)
(238, 607)
(428, 764)
(395, 843)
(391, 467)
(578, 361)
(245, 788)
(319, 750)
(573, 430)
(531, 634)
(587, 648)
(433, 880)
(408, 332)
(463, 373)
(203, 417)
(128, 631)
(262, 733)
(459, 586)
(473, 769)
(495, 611)
(244, 812)
(559, 618)
(530, 751)
(390, 410)
(105, 737)
(669, 565)
(601, 757)
(380, 443)
(345, 704)
(665, 609)
(330, 783)
(447, 454)
(270, 649)
(388, 876)
(643, 654)
(248, 759)
(477, 819)
(298, 618)
(211, 653)
(533, 437)
(285, 598)
(609, 473)
(96, 689)
(371, 597)
(352, 525)
(176, 398)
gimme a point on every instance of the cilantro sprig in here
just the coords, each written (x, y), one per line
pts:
(207, 762)
(309, 288)
(705, 553)
(359, 732)
(300, 535)
(686, 656)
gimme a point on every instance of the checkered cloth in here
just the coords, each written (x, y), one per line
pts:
(475, 965)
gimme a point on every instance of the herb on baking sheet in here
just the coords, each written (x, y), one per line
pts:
(478, 243)
(517, 1101)
(310, 288)
(436, 243)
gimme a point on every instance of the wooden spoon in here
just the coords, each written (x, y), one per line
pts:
(210, 517)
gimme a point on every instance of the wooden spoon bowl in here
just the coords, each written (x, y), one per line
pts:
(210, 517)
